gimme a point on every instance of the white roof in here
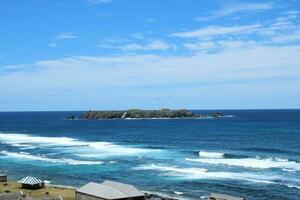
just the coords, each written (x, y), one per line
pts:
(110, 190)
(30, 180)
(130, 190)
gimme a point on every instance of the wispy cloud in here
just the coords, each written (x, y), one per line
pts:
(154, 45)
(60, 37)
(99, 1)
(131, 70)
(242, 7)
(217, 30)
(237, 8)
(65, 36)
(53, 44)
(15, 67)
(151, 20)
(286, 38)
(263, 65)
(151, 46)
(138, 36)
(199, 46)
(281, 31)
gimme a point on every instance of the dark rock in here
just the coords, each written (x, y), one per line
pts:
(72, 117)
(216, 114)
(138, 114)
(144, 114)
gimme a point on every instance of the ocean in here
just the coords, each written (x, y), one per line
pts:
(249, 153)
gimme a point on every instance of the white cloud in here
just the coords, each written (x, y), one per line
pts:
(292, 12)
(242, 7)
(60, 37)
(84, 82)
(236, 8)
(154, 45)
(200, 45)
(65, 36)
(221, 45)
(286, 38)
(14, 67)
(218, 30)
(151, 20)
(99, 1)
(53, 44)
(138, 36)
(282, 30)
(157, 45)
(82, 72)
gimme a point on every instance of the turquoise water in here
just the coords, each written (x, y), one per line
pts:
(254, 153)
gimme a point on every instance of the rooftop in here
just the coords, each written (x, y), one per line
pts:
(110, 190)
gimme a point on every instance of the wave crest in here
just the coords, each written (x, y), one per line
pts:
(261, 163)
(201, 173)
(27, 156)
(98, 148)
(206, 154)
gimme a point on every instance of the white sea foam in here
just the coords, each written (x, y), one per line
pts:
(24, 139)
(47, 182)
(261, 163)
(201, 173)
(178, 193)
(288, 170)
(86, 148)
(206, 154)
(293, 186)
(174, 170)
(28, 156)
(21, 145)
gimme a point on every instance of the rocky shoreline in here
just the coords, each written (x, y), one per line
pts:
(144, 114)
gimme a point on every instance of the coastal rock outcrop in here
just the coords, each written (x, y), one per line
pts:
(138, 114)
(144, 114)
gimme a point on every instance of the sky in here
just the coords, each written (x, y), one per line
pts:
(149, 54)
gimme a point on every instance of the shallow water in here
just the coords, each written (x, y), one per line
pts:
(255, 153)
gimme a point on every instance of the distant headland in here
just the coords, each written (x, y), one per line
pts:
(144, 114)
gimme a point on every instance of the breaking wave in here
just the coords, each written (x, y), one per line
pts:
(27, 156)
(202, 173)
(206, 154)
(261, 163)
(84, 147)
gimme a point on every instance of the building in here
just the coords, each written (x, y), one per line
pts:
(215, 196)
(108, 190)
(3, 178)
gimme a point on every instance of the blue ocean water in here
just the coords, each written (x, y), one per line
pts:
(254, 153)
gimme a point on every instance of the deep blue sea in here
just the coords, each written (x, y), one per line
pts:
(253, 153)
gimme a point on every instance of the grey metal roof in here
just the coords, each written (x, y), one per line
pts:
(110, 190)
(99, 190)
(130, 190)
(224, 197)
(30, 180)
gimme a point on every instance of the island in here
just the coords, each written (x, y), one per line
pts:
(144, 114)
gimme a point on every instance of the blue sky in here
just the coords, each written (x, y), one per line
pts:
(120, 54)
